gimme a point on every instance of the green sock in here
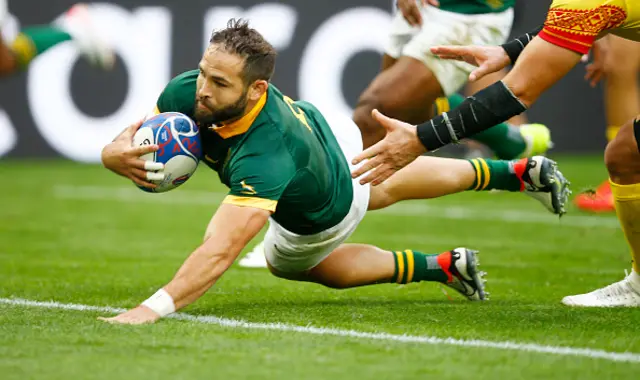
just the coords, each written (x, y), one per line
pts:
(498, 174)
(504, 140)
(34, 41)
(412, 266)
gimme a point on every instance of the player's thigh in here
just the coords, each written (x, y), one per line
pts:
(292, 256)
(387, 61)
(622, 156)
(623, 57)
(404, 91)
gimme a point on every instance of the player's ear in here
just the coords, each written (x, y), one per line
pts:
(258, 88)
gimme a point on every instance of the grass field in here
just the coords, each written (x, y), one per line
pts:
(76, 234)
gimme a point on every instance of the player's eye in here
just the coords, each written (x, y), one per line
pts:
(220, 84)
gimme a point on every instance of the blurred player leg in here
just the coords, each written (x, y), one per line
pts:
(75, 26)
(622, 102)
(8, 62)
(402, 90)
(622, 158)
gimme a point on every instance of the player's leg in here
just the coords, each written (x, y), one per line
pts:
(622, 158)
(387, 62)
(622, 102)
(8, 62)
(324, 259)
(431, 177)
(352, 265)
(75, 26)
(402, 90)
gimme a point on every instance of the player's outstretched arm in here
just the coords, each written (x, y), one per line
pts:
(230, 230)
(540, 66)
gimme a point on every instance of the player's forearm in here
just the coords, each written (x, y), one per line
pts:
(493, 105)
(516, 46)
(200, 272)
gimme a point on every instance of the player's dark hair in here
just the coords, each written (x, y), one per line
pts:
(238, 38)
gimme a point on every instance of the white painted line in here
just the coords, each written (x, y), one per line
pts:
(431, 211)
(629, 357)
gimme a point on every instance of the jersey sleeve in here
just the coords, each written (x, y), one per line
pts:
(260, 180)
(179, 95)
(575, 24)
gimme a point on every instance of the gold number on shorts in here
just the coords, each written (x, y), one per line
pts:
(297, 113)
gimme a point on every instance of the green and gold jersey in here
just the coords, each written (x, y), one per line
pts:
(476, 6)
(281, 156)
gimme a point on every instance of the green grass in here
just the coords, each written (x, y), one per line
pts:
(57, 243)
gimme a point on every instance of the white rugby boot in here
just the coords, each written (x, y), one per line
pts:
(624, 293)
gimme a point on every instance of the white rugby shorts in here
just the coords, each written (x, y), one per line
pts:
(447, 28)
(288, 252)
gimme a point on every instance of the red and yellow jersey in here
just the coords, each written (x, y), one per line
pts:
(576, 24)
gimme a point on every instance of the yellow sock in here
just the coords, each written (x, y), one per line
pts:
(612, 131)
(627, 199)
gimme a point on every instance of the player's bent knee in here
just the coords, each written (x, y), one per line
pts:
(293, 276)
(622, 155)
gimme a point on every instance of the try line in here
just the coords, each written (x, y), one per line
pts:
(629, 357)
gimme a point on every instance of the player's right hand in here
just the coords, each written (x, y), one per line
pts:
(411, 11)
(398, 149)
(123, 158)
(596, 70)
(488, 59)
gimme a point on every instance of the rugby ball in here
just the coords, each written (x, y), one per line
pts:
(180, 149)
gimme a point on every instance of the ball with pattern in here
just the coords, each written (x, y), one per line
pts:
(180, 149)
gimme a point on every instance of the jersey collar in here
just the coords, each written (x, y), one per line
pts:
(243, 124)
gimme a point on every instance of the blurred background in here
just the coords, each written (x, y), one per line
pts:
(329, 51)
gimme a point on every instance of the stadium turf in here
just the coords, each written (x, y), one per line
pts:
(76, 234)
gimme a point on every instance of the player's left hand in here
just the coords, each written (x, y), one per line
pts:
(398, 149)
(137, 316)
(489, 59)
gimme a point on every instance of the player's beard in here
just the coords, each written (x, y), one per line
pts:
(224, 114)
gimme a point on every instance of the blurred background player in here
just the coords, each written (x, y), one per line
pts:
(75, 25)
(617, 61)
(412, 77)
(414, 84)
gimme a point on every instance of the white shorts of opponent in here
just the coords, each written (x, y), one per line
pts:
(447, 28)
(292, 253)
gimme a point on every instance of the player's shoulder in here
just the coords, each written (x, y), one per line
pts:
(179, 94)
